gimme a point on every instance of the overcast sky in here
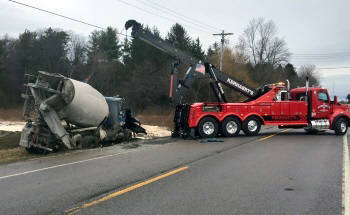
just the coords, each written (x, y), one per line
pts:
(316, 31)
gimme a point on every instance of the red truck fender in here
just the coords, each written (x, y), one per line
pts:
(254, 114)
(197, 121)
(219, 120)
(335, 116)
(233, 115)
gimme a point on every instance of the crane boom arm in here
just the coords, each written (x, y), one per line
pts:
(232, 83)
(178, 88)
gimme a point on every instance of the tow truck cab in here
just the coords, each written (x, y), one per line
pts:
(321, 107)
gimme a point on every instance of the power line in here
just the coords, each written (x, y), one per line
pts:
(159, 8)
(62, 16)
(322, 55)
(341, 67)
(189, 18)
(56, 14)
(164, 17)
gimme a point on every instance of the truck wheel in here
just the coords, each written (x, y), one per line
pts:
(35, 150)
(89, 141)
(208, 127)
(230, 126)
(251, 126)
(341, 126)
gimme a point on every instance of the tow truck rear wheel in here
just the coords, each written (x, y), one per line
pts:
(341, 126)
(208, 127)
(251, 126)
(230, 126)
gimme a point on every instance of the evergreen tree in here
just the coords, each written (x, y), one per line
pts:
(179, 38)
(104, 44)
(196, 49)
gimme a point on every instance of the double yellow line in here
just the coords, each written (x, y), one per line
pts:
(272, 135)
(128, 189)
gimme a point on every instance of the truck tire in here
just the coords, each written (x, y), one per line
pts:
(341, 126)
(35, 150)
(251, 126)
(89, 141)
(208, 127)
(231, 126)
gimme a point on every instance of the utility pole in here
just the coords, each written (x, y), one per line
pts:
(222, 34)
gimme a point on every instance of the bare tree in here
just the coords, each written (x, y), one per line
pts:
(77, 52)
(260, 44)
(308, 71)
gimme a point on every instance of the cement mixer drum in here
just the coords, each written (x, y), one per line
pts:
(85, 105)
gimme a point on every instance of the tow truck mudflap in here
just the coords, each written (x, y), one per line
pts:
(181, 127)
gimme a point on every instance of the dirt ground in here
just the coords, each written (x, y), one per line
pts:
(10, 132)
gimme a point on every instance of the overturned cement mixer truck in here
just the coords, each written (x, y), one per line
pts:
(63, 111)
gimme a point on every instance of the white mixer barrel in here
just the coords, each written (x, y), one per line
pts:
(87, 107)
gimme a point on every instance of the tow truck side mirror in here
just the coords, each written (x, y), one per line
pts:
(335, 100)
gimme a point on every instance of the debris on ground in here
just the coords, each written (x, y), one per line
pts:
(210, 140)
(131, 145)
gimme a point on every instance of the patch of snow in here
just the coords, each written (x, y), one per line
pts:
(11, 125)
(155, 131)
(152, 130)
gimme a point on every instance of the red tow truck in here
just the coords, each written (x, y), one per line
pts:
(274, 104)
(307, 107)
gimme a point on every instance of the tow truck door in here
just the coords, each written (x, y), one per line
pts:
(321, 104)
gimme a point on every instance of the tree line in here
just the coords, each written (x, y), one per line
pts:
(138, 72)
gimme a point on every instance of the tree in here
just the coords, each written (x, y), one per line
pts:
(291, 75)
(196, 49)
(105, 44)
(77, 49)
(260, 44)
(310, 72)
(147, 70)
(179, 38)
(8, 77)
(51, 50)
(77, 56)
(27, 52)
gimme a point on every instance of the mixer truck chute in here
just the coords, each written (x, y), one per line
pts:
(63, 111)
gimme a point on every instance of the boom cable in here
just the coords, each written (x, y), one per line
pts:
(161, 16)
(176, 14)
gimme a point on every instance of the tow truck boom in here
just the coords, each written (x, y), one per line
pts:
(178, 88)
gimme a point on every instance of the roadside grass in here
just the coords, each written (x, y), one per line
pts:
(9, 140)
(12, 114)
(15, 154)
(158, 117)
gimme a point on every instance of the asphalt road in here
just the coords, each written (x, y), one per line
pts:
(274, 173)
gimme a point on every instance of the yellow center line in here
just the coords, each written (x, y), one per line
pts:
(272, 135)
(128, 189)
